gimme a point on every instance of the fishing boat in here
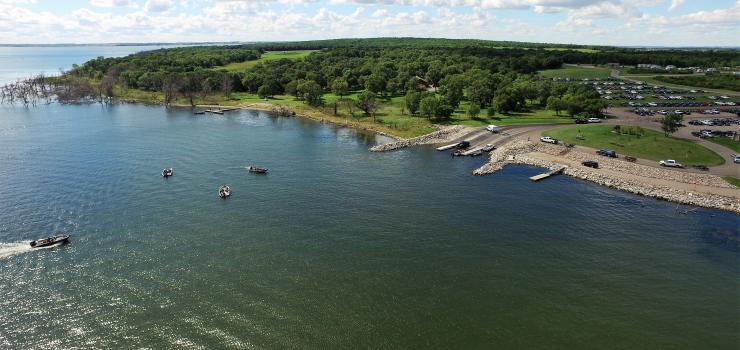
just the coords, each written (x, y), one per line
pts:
(48, 241)
(256, 169)
(167, 172)
(224, 191)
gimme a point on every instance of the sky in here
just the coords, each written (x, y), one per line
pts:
(591, 22)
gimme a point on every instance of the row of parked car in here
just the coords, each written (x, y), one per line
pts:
(716, 122)
(666, 104)
(707, 133)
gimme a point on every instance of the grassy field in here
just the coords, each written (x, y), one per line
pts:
(727, 142)
(267, 56)
(653, 81)
(733, 180)
(652, 145)
(392, 117)
(577, 72)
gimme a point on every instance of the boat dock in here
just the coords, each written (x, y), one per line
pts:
(216, 110)
(450, 146)
(471, 151)
(547, 174)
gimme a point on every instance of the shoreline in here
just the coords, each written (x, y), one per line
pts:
(268, 107)
(665, 184)
(701, 190)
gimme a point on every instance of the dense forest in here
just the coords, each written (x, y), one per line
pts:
(432, 75)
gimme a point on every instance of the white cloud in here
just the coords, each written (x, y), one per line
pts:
(113, 3)
(606, 22)
(675, 4)
(158, 5)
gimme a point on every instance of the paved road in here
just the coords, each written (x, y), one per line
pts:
(480, 137)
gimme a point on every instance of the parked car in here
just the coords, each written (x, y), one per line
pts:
(737, 158)
(607, 153)
(463, 145)
(548, 139)
(581, 121)
(591, 164)
(488, 148)
(594, 120)
(670, 163)
(493, 128)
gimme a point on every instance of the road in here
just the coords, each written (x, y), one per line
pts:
(480, 137)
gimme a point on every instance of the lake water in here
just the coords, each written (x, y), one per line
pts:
(337, 247)
(20, 62)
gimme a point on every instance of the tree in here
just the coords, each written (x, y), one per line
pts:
(670, 123)
(227, 84)
(251, 82)
(264, 91)
(310, 91)
(375, 83)
(340, 87)
(451, 88)
(480, 92)
(556, 104)
(191, 86)
(508, 100)
(491, 112)
(170, 88)
(412, 100)
(435, 107)
(367, 102)
(473, 111)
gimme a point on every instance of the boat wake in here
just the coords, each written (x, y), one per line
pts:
(10, 249)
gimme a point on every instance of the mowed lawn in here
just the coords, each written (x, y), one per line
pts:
(652, 145)
(267, 56)
(577, 72)
(727, 142)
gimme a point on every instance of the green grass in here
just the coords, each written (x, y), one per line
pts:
(653, 81)
(718, 81)
(732, 180)
(267, 56)
(392, 116)
(727, 142)
(652, 145)
(577, 72)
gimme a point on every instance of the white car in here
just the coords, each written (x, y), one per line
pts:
(593, 120)
(548, 139)
(737, 158)
(671, 163)
(493, 128)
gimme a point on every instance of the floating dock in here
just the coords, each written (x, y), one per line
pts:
(547, 174)
(471, 151)
(450, 146)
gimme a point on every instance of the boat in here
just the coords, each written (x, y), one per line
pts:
(224, 191)
(167, 172)
(256, 169)
(49, 241)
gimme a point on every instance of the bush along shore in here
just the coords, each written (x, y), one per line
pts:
(701, 190)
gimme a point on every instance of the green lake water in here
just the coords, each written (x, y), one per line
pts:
(337, 247)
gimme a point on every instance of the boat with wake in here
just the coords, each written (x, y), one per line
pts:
(49, 241)
(256, 169)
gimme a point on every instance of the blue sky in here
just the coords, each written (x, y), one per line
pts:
(607, 22)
